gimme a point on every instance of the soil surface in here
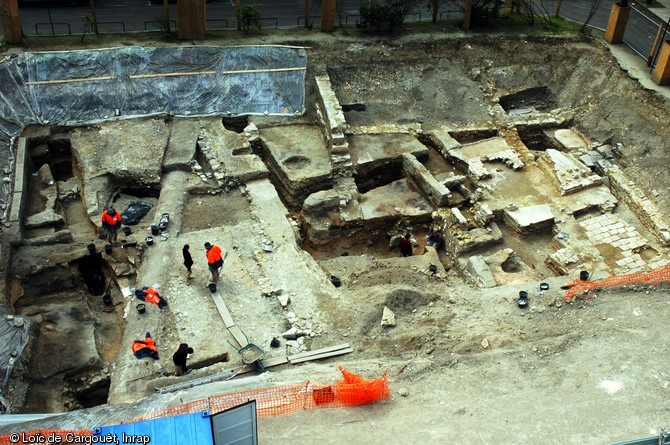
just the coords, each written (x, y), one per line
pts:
(465, 364)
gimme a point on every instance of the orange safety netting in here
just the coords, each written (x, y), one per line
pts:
(288, 399)
(46, 437)
(654, 276)
(275, 401)
(355, 390)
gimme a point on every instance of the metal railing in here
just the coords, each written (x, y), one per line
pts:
(161, 25)
(276, 21)
(51, 25)
(641, 32)
(225, 21)
(308, 18)
(88, 27)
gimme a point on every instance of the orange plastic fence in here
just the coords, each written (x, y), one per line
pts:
(46, 437)
(275, 401)
(288, 399)
(653, 277)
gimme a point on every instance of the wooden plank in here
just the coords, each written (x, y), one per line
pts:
(320, 356)
(318, 351)
(239, 336)
(223, 310)
(274, 361)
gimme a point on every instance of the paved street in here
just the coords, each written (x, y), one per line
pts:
(140, 15)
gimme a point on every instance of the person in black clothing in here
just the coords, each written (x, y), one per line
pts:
(188, 261)
(179, 359)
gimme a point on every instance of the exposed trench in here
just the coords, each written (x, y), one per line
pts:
(85, 282)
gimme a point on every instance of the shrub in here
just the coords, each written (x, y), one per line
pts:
(380, 18)
(249, 16)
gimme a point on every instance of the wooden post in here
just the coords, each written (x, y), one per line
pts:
(11, 23)
(660, 34)
(616, 25)
(328, 12)
(467, 14)
(558, 8)
(661, 73)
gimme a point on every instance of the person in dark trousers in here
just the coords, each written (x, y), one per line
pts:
(214, 260)
(405, 245)
(435, 239)
(145, 348)
(111, 222)
(179, 358)
(188, 261)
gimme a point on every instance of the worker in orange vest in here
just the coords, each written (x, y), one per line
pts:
(214, 260)
(145, 348)
(111, 222)
(151, 295)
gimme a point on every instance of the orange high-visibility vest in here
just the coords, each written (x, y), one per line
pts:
(111, 220)
(146, 343)
(213, 255)
(152, 296)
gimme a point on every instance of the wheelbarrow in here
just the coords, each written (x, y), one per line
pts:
(251, 354)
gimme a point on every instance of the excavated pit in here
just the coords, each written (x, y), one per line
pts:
(512, 190)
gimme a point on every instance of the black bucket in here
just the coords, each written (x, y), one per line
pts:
(584, 275)
(141, 308)
(107, 300)
(108, 249)
(523, 294)
(212, 287)
(155, 230)
(91, 248)
(544, 286)
(149, 240)
(336, 281)
(127, 230)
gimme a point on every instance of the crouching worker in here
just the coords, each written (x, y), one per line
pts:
(151, 295)
(435, 239)
(145, 348)
(179, 358)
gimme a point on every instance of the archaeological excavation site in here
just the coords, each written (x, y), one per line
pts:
(529, 175)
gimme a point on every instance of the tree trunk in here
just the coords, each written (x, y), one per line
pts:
(328, 12)
(166, 15)
(558, 8)
(237, 10)
(11, 22)
(306, 13)
(467, 14)
(434, 4)
(95, 19)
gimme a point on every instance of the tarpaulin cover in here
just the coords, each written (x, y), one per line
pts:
(13, 338)
(78, 87)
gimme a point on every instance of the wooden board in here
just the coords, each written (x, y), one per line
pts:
(239, 336)
(223, 310)
(320, 356)
(318, 351)
(274, 361)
